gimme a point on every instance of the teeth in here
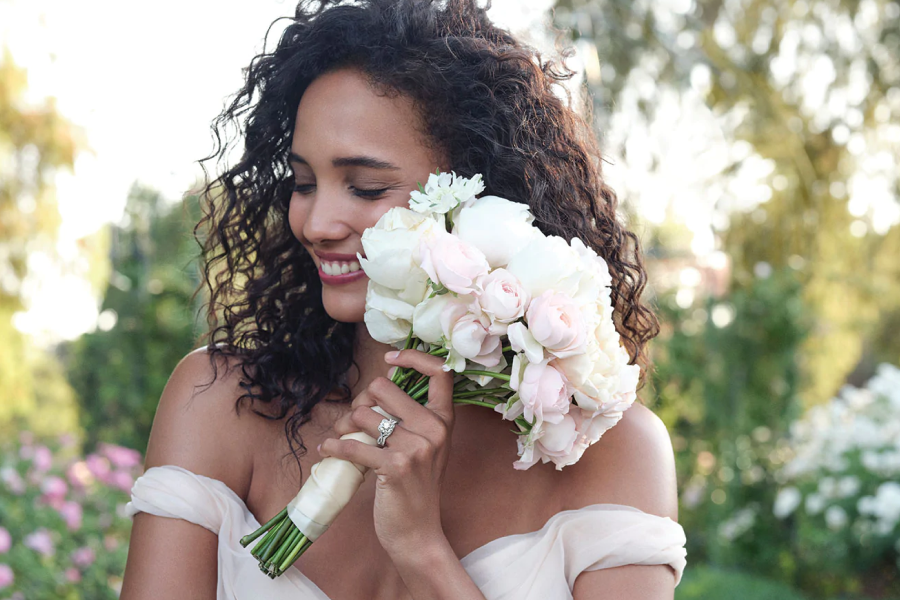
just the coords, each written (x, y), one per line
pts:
(339, 268)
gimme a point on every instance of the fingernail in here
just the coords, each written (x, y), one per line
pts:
(391, 372)
(392, 355)
(319, 448)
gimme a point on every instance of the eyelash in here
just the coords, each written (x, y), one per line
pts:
(301, 189)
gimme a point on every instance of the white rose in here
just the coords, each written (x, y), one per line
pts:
(388, 318)
(427, 318)
(496, 226)
(390, 245)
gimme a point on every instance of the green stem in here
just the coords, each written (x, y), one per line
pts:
(475, 402)
(247, 539)
(488, 373)
(270, 550)
(299, 549)
(285, 548)
(266, 541)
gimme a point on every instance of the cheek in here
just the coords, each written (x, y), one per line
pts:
(297, 212)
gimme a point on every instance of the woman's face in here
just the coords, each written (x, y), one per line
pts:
(355, 154)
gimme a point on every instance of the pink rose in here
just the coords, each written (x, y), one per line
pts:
(468, 336)
(543, 390)
(451, 262)
(72, 575)
(98, 466)
(121, 480)
(40, 541)
(6, 576)
(503, 299)
(43, 458)
(71, 513)
(121, 457)
(83, 557)
(554, 442)
(5, 540)
(557, 324)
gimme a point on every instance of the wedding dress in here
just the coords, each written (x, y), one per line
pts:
(539, 565)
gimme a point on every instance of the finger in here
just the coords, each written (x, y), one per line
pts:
(396, 402)
(440, 384)
(354, 451)
(367, 420)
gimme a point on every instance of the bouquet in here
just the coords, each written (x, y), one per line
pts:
(524, 320)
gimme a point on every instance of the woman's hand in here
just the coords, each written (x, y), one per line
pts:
(410, 468)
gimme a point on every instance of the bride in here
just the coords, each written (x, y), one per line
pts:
(356, 105)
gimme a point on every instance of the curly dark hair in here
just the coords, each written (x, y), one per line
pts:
(486, 99)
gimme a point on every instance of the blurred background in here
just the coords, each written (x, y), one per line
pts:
(753, 144)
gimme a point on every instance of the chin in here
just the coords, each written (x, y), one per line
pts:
(346, 305)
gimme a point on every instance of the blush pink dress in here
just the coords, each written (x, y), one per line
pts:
(539, 565)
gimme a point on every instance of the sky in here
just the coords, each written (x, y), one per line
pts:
(143, 81)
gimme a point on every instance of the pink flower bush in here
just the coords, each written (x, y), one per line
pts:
(67, 510)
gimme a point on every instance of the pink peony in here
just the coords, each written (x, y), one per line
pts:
(72, 575)
(468, 336)
(503, 299)
(40, 541)
(544, 391)
(121, 480)
(121, 457)
(5, 540)
(98, 466)
(43, 458)
(83, 557)
(6, 576)
(71, 513)
(557, 324)
(451, 262)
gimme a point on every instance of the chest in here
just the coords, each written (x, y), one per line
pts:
(479, 484)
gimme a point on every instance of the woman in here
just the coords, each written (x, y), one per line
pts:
(354, 107)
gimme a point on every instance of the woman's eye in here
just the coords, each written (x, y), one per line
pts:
(304, 188)
(368, 193)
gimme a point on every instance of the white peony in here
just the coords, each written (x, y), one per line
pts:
(547, 263)
(388, 317)
(390, 246)
(496, 226)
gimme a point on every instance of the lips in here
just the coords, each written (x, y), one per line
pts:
(337, 269)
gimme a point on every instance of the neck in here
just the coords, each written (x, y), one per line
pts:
(368, 354)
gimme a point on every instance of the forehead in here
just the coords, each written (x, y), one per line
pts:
(341, 113)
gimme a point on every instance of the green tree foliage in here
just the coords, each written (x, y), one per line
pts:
(147, 322)
(811, 90)
(35, 142)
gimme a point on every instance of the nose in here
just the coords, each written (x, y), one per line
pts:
(323, 216)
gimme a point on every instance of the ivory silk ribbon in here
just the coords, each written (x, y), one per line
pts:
(331, 484)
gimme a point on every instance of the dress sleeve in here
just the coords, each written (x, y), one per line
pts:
(174, 492)
(543, 565)
(623, 535)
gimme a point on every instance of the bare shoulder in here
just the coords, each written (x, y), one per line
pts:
(632, 464)
(197, 426)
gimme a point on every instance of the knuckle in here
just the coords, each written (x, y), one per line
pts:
(358, 415)
(401, 464)
(380, 386)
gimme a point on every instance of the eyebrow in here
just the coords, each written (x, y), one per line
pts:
(350, 161)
